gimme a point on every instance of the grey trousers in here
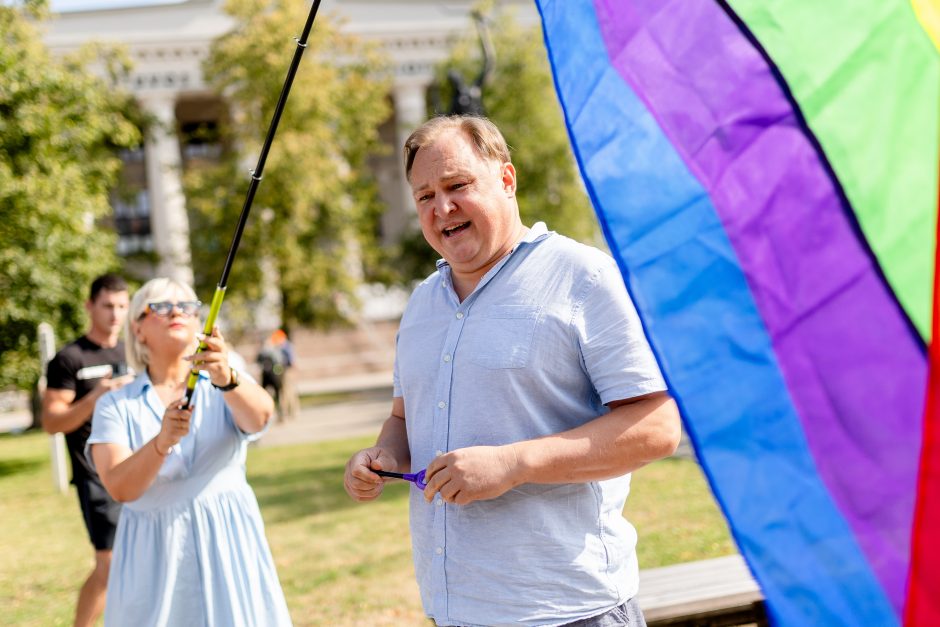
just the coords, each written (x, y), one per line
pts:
(627, 615)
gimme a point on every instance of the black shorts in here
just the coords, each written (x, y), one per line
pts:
(100, 512)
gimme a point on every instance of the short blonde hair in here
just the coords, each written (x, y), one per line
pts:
(154, 290)
(482, 133)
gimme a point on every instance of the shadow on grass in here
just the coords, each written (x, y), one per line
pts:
(306, 492)
(15, 466)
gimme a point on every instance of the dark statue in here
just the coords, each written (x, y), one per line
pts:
(468, 97)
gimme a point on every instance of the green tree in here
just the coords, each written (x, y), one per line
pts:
(314, 219)
(60, 127)
(520, 99)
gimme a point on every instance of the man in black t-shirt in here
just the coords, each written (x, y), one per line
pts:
(75, 379)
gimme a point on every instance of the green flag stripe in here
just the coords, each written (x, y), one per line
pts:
(867, 79)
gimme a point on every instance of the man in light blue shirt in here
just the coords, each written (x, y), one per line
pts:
(525, 384)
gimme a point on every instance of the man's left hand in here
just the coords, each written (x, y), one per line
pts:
(472, 474)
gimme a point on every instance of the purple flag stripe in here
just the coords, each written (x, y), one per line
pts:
(853, 369)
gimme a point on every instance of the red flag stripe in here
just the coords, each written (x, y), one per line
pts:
(923, 594)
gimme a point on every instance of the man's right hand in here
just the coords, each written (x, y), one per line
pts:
(360, 482)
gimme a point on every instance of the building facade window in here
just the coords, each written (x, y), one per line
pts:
(131, 205)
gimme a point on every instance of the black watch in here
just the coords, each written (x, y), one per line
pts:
(232, 384)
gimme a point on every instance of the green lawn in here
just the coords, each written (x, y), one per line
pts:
(340, 563)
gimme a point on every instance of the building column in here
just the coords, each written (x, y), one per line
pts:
(410, 113)
(168, 219)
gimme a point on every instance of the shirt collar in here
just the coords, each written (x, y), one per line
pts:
(139, 385)
(537, 233)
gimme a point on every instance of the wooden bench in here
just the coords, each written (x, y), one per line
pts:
(715, 592)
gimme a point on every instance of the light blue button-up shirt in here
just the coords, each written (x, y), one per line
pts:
(547, 338)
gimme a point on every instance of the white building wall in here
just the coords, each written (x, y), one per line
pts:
(169, 39)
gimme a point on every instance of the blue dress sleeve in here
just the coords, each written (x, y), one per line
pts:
(108, 425)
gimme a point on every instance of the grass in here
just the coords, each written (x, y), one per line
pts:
(340, 563)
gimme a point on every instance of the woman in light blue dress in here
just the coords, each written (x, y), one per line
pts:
(190, 546)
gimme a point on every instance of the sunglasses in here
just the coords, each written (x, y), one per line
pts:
(164, 308)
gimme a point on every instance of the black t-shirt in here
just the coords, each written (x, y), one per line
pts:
(78, 367)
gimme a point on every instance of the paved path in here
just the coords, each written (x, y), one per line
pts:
(313, 424)
(369, 402)
(363, 413)
(363, 416)
(14, 421)
(332, 421)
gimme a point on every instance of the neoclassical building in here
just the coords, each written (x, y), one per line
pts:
(168, 40)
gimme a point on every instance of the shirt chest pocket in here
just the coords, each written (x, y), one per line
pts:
(502, 335)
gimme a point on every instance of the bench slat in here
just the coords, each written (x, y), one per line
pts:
(710, 587)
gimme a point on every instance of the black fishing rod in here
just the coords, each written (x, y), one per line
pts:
(256, 175)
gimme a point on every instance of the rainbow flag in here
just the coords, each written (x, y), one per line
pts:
(766, 175)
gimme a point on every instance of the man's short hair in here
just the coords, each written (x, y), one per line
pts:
(482, 133)
(110, 282)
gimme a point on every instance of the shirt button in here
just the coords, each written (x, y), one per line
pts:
(439, 453)
(442, 404)
(439, 501)
(447, 357)
(439, 550)
(459, 315)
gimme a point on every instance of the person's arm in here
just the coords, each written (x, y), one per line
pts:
(251, 405)
(636, 432)
(391, 452)
(61, 413)
(127, 474)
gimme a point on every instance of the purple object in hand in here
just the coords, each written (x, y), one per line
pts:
(416, 478)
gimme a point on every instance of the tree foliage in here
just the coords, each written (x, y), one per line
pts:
(60, 126)
(314, 219)
(520, 99)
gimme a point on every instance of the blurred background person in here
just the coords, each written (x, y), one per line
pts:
(77, 377)
(276, 359)
(190, 547)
